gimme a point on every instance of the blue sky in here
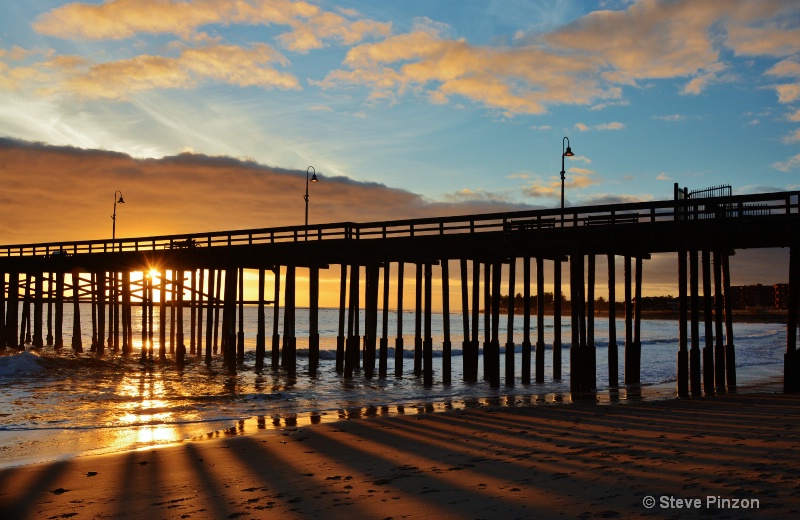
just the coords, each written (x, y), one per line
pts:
(451, 100)
(206, 114)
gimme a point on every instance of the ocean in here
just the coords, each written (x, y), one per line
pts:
(60, 405)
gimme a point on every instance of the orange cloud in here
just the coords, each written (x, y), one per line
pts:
(120, 19)
(124, 78)
(73, 191)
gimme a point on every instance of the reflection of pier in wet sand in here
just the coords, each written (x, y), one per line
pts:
(199, 279)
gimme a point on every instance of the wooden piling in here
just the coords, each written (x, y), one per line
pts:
(3, 309)
(127, 329)
(613, 354)
(101, 313)
(313, 321)
(475, 341)
(447, 369)
(12, 311)
(59, 310)
(629, 346)
(683, 342)
(695, 376)
(144, 304)
(240, 335)
(162, 317)
(77, 343)
(465, 345)
(494, 346)
(487, 320)
(340, 338)
(372, 274)
(540, 307)
(276, 315)
(212, 303)
(398, 342)
(730, 350)
(791, 358)
(510, 348)
(526, 321)
(289, 357)
(351, 354)
(708, 350)
(427, 344)
(719, 315)
(419, 289)
(556, 322)
(383, 356)
(38, 308)
(590, 372)
(261, 332)
(180, 349)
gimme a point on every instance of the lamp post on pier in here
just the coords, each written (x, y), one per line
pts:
(565, 152)
(114, 218)
(312, 179)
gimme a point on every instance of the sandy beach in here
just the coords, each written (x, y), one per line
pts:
(735, 456)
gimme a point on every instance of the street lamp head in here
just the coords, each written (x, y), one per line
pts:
(120, 201)
(314, 177)
(568, 153)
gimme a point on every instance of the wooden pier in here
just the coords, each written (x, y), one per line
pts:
(200, 279)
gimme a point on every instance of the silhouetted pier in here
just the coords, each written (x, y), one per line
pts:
(200, 279)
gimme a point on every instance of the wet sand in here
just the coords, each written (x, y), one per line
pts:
(548, 461)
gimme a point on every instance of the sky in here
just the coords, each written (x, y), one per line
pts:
(207, 114)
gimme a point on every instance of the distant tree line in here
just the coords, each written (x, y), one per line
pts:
(651, 303)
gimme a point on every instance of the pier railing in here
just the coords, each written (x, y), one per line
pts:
(638, 213)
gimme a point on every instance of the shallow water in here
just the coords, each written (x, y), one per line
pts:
(61, 405)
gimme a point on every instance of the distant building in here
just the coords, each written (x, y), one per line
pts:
(753, 297)
(781, 295)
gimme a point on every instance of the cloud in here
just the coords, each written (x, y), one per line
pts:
(794, 117)
(663, 177)
(788, 165)
(614, 125)
(671, 118)
(515, 80)
(187, 193)
(121, 79)
(121, 19)
(794, 137)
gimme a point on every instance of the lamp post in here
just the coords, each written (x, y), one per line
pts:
(312, 179)
(114, 217)
(565, 152)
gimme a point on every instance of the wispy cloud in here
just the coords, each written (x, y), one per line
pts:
(614, 125)
(673, 118)
(791, 164)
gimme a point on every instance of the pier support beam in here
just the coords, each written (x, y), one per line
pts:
(447, 359)
(613, 353)
(59, 310)
(261, 332)
(730, 350)
(474, 350)
(683, 335)
(398, 341)
(372, 274)
(352, 356)
(77, 344)
(557, 292)
(708, 349)
(427, 344)
(340, 338)
(276, 318)
(101, 314)
(313, 321)
(540, 307)
(493, 356)
(510, 348)
(526, 320)
(695, 375)
(38, 310)
(719, 315)
(791, 359)
(466, 348)
(419, 289)
(12, 311)
(383, 355)
(289, 357)
(590, 372)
